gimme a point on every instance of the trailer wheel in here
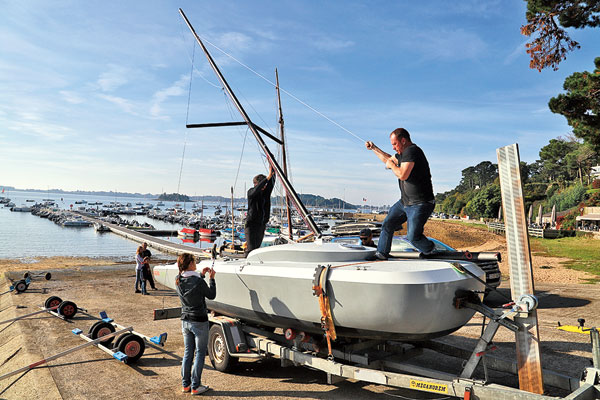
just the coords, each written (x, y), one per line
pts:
(118, 341)
(67, 309)
(100, 329)
(133, 346)
(21, 286)
(217, 350)
(48, 276)
(52, 301)
(26, 275)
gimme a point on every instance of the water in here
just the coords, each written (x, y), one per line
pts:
(23, 235)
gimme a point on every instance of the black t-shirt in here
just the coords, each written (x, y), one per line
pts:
(259, 202)
(417, 188)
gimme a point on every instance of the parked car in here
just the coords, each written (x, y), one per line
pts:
(400, 244)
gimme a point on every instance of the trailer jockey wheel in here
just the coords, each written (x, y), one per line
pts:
(52, 301)
(100, 329)
(133, 346)
(217, 350)
(21, 286)
(67, 309)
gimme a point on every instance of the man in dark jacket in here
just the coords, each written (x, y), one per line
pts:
(259, 210)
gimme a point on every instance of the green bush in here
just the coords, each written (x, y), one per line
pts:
(568, 221)
(568, 198)
(485, 203)
(594, 200)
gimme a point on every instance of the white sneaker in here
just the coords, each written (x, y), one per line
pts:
(199, 390)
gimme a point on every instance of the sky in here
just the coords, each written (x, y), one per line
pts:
(95, 95)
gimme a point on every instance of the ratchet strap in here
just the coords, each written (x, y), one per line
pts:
(320, 290)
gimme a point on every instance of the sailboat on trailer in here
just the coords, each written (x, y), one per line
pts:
(400, 299)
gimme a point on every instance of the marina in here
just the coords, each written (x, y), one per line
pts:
(450, 289)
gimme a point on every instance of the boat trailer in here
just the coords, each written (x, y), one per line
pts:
(128, 348)
(385, 362)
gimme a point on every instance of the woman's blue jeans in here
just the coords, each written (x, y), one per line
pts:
(416, 216)
(195, 339)
(139, 280)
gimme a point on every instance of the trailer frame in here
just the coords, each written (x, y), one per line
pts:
(384, 362)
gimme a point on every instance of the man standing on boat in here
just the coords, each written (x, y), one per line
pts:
(417, 201)
(259, 210)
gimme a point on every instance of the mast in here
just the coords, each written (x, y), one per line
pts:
(283, 155)
(232, 222)
(254, 129)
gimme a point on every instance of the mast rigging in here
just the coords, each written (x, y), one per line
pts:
(291, 193)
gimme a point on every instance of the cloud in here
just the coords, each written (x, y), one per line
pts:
(124, 104)
(112, 79)
(517, 52)
(331, 44)
(42, 129)
(176, 89)
(445, 44)
(71, 97)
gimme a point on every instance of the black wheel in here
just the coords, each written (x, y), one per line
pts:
(48, 276)
(21, 286)
(133, 346)
(100, 329)
(119, 340)
(52, 301)
(92, 327)
(26, 275)
(217, 350)
(67, 309)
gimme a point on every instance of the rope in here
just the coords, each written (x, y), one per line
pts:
(283, 90)
(186, 118)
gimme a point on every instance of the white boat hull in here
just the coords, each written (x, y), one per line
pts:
(399, 299)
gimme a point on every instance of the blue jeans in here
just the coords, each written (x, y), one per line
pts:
(416, 216)
(195, 339)
(139, 280)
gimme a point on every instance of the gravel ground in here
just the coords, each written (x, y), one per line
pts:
(98, 286)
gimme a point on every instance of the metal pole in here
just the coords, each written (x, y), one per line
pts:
(283, 155)
(232, 223)
(595, 337)
(286, 184)
(29, 315)
(64, 353)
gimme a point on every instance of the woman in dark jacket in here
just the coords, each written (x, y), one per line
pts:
(192, 290)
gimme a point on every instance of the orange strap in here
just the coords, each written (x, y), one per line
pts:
(325, 307)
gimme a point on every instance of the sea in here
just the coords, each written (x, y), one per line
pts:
(26, 237)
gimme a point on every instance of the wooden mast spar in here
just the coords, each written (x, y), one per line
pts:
(283, 155)
(291, 193)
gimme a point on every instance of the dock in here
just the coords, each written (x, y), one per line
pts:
(164, 246)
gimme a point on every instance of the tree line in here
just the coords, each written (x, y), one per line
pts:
(562, 176)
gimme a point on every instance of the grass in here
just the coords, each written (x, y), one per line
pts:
(584, 253)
